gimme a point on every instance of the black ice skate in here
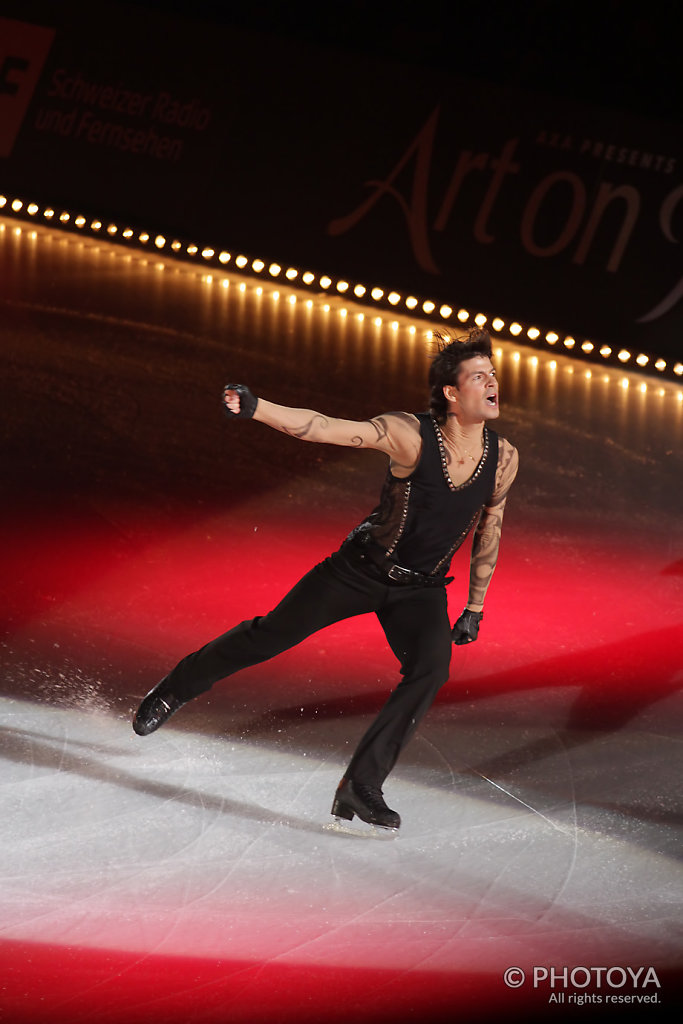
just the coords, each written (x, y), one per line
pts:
(155, 709)
(365, 801)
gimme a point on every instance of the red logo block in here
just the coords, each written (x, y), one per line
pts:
(23, 51)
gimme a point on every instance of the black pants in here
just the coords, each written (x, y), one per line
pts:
(414, 620)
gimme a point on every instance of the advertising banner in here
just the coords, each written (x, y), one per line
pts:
(523, 206)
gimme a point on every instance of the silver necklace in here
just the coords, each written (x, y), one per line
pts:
(444, 458)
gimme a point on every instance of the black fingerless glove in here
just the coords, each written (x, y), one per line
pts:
(466, 629)
(248, 402)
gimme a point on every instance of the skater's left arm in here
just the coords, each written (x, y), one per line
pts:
(486, 540)
(485, 545)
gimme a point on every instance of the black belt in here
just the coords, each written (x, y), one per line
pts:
(372, 556)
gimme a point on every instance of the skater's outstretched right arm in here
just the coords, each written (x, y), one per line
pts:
(397, 434)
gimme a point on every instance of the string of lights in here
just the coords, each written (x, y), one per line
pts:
(448, 317)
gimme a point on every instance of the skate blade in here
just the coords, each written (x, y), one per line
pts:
(340, 826)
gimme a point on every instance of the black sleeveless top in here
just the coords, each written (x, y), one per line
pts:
(422, 520)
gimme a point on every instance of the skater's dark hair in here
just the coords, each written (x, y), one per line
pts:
(445, 366)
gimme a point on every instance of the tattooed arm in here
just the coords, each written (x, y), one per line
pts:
(397, 434)
(487, 534)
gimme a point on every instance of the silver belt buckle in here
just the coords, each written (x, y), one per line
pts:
(398, 574)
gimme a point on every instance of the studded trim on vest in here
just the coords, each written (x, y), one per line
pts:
(444, 460)
(421, 521)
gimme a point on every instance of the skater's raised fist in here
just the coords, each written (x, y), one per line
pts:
(239, 402)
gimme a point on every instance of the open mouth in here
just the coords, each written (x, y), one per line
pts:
(492, 400)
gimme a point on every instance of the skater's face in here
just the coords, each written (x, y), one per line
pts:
(475, 397)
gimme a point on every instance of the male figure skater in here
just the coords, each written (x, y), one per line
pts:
(448, 473)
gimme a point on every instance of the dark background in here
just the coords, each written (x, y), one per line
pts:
(611, 53)
(312, 104)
